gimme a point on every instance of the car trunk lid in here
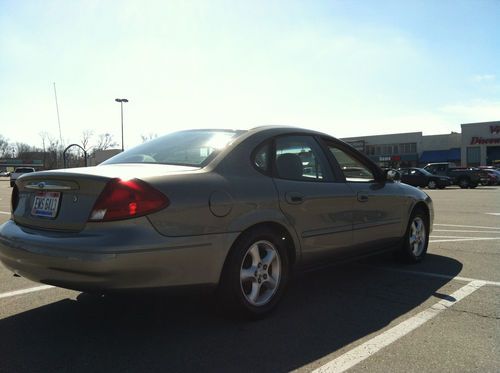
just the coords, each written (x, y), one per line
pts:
(62, 200)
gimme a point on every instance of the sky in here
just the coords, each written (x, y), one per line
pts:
(347, 68)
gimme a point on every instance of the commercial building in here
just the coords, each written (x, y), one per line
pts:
(480, 144)
(477, 145)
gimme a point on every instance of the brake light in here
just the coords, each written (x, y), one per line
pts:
(127, 199)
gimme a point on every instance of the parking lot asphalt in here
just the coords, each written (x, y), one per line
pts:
(373, 315)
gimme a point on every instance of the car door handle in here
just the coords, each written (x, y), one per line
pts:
(294, 198)
(362, 197)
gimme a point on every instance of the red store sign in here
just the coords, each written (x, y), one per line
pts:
(483, 141)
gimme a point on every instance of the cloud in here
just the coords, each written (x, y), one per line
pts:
(483, 78)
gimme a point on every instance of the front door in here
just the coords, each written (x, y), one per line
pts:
(378, 207)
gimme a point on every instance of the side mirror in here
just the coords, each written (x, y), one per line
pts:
(393, 175)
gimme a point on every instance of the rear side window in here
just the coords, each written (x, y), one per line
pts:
(261, 157)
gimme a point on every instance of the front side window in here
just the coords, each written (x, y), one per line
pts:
(188, 148)
(300, 158)
(353, 170)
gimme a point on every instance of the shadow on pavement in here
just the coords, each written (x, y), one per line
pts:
(321, 313)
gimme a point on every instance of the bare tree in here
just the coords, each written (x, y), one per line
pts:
(4, 147)
(85, 138)
(54, 152)
(23, 148)
(104, 141)
(44, 136)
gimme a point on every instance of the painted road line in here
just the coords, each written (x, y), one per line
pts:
(369, 348)
(436, 275)
(464, 226)
(464, 231)
(4, 213)
(459, 237)
(25, 291)
(493, 213)
(466, 239)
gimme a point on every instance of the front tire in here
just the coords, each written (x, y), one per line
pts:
(463, 183)
(431, 184)
(416, 240)
(255, 274)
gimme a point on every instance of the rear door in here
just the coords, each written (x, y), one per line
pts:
(315, 204)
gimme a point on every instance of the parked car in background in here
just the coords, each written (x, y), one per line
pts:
(489, 176)
(420, 177)
(463, 177)
(18, 172)
(4, 173)
(238, 211)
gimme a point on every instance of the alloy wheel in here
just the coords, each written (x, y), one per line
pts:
(260, 273)
(418, 236)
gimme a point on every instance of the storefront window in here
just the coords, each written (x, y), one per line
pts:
(473, 156)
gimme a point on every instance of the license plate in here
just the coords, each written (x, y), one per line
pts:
(45, 204)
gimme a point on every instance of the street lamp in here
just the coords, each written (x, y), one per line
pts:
(121, 101)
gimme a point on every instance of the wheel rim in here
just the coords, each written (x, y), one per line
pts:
(260, 273)
(432, 184)
(418, 236)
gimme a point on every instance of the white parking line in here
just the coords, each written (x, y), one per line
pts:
(4, 213)
(464, 239)
(372, 346)
(437, 275)
(24, 291)
(465, 226)
(463, 231)
(458, 237)
(493, 213)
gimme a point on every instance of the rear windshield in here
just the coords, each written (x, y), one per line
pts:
(187, 148)
(24, 170)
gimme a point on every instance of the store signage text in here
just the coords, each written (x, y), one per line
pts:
(483, 141)
(495, 129)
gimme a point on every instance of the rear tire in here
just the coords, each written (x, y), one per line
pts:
(12, 184)
(416, 239)
(255, 274)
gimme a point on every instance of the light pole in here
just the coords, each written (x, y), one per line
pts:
(121, 101)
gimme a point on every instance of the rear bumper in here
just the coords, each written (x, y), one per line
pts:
(111, 256)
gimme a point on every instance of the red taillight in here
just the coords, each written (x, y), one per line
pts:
(127, 199)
